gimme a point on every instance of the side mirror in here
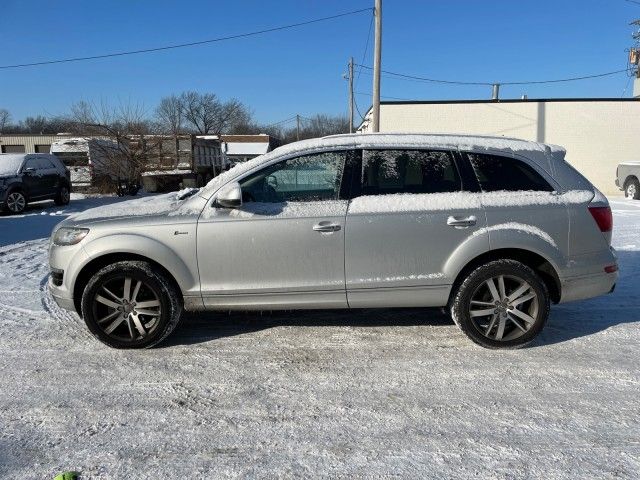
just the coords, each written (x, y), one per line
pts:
(29, 170)
(230, 196)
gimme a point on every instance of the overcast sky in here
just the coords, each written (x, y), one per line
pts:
(300, 70)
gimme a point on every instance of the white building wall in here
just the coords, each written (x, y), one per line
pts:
(597, 134)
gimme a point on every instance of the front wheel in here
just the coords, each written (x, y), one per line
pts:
(15, 202)
(502, 304)
(131, 305)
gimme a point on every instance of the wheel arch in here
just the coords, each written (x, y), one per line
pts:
(629, 179)
(533, 260)
(18, 186)
(95, 264)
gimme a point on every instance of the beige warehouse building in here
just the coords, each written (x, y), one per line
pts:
(597, 133)
(28, 143)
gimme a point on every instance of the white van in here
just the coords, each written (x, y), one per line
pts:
(90, 159)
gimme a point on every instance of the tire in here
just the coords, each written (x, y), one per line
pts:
(500, 327)
(105, 310)
(63, 197)
(15, 202)
(632, 188)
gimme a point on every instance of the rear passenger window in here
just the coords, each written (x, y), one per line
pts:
(408, 171)
(502, 173)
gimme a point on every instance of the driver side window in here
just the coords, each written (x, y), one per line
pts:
(31, 163)
(302, 179)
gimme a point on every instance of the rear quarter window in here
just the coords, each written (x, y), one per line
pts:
(496, 173)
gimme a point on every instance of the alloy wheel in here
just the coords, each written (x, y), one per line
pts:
(504, 308)
(16, 202)
(126, 309)
(64, 195)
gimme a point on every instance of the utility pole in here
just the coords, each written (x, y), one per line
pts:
(634, 59)
(377, 60)
(351, 95)
(297, 127)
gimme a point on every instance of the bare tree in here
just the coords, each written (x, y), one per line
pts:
(122, 137)
(208, 115)
(5, 119)
(35, 124)
(170, 115)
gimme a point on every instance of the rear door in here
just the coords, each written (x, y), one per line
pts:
(32, 178)
(518, 198)
(49, 174)
(411, 213)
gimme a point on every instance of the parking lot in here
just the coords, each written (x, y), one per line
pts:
(368, 393)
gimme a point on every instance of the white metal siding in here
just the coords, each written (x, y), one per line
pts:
(597, 134)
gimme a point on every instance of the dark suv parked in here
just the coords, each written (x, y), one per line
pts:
(32, 177)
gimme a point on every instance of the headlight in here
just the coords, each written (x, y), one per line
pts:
(69, 236)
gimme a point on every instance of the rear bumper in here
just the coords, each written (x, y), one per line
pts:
(587, 277)
(588, 286)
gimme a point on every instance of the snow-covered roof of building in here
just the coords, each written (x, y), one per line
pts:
(246, 145)
(241, 148)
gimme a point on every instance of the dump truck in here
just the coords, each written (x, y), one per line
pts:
(173, 162)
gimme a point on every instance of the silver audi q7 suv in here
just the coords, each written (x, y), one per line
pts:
(493, 229)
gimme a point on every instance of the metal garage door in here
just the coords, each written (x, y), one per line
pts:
(43, 148)
(12, 148)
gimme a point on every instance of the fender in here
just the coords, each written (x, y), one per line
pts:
(508, 237)
(145, 247)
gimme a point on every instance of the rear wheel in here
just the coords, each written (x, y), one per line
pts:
(131, 305)
(502, 304)
(63, 196)
(632, 189)
(15, 202)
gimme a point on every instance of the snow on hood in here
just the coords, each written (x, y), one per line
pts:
(174, 203)
(10, 164)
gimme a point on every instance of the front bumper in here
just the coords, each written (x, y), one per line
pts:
(66, 263)
(61, 298)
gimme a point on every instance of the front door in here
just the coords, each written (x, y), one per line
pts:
(407, 222)
(284, 247)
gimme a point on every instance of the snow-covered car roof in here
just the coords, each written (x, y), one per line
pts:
(537, 152)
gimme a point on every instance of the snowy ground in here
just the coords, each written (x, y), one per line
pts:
(340, 394)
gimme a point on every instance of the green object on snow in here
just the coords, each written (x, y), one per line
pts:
(67, 476)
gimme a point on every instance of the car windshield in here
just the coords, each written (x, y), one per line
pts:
(10, 164)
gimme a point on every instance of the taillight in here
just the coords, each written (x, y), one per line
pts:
(603, 217)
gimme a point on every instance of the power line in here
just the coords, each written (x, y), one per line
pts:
(632, 1)
(366, 48)
(286, 120)
(183, 45)
(531, 82)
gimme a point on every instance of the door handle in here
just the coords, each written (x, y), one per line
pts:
(458, 222)
(324, 227)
